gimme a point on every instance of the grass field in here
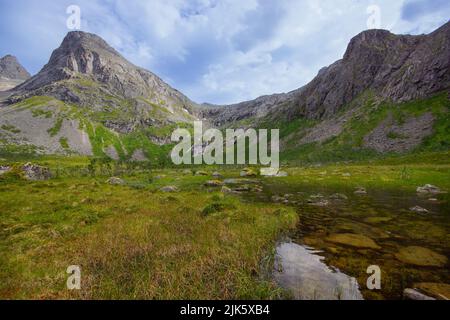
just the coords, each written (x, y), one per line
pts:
(133, 241)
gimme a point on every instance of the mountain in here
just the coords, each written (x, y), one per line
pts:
(89, 95)
(397, 67)
(388, 94)
(12, 73)
(378, 68)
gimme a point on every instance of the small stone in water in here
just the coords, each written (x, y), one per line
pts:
(419, 209)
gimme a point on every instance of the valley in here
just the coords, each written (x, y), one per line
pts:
(86, 179)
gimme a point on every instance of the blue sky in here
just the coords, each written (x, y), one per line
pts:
(218, 51)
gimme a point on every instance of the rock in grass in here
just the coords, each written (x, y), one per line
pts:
(428, 188)
(282, 174)
(353, 240)
(201, 173)
(169, 189)
(115, 181)
(360, 191)
(418, 209)
(214, 183)
(216, 175)
(4, 169)
(338, 196)
(412, 294)
(247, 172)
(34, 172)
(440, 291)
(225, 189)
(420, 256)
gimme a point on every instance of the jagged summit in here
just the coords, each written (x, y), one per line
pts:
(394, 67)
(11, 68)
(12, 73)
(85, 70)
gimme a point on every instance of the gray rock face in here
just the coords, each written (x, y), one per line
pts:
(12, 73)
(11, 68)
(396, 67)
(390, 136)
(86, 71)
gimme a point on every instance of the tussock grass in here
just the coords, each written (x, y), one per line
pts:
(134, 244)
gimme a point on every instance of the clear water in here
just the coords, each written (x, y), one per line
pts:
(384, 216)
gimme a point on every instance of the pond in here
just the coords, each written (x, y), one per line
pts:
(342, 232)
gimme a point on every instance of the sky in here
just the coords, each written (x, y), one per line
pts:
(216, 51)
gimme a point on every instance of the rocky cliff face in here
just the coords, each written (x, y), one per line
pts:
(12, 73)
(86, 71)
(395, 67)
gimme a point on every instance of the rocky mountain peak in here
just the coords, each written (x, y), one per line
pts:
(10, 68)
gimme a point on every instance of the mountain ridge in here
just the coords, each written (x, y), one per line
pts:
(96, 102)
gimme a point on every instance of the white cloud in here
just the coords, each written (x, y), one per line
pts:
(220, 51)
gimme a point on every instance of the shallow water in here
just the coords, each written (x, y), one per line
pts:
(383, 216)
(303, 272)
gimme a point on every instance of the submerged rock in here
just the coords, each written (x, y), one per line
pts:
(420, 256)
(419, 209)
(412, 294)
(321, 203)
(353, 240)
(428, 188)
(377, 219)
(440, 291)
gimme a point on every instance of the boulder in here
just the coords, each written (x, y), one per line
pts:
(412, 294)
(420, 256)
(201, 173)
(360, 191)
(428, 188)
(214, 183)
(247, 172)
(338, 196)
(418, 209)
(225, 189)
(35, 172)
(169, 189)
(4, 169)
(216, 175)
(115, 181)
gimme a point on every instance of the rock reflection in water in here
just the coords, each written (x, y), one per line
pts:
(301, 271)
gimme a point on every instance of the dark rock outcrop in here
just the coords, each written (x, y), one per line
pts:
(395, 67)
